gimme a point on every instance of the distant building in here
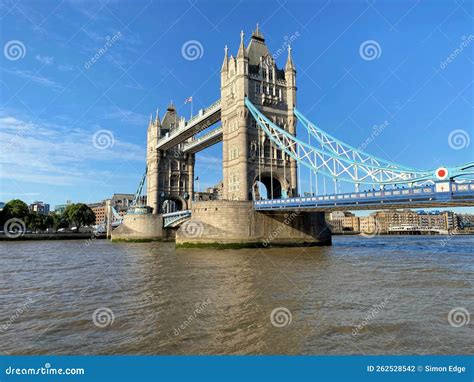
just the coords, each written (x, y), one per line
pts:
(389, 221)
(2, 205)
(340, 221)
(465, 222)
(121, 203)
(59, 208)
(99, 211)
(39, 208)
(368, 224)
(211, 193)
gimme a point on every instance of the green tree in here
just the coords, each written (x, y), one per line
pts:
(60, 221)
(36, 222)
(79, 214)
(48, 221)
(16, 208)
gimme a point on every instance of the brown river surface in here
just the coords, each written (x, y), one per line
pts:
(382, 295)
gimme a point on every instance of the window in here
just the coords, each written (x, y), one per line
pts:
(234, 153)
(279, 94)
(270, 75)
(254, 123)
(264, 73)
(257, 88)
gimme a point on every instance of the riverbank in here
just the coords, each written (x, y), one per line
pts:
(52, 236)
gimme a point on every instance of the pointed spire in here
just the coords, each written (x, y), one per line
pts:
(289, 62)
(241, 52)
(225, 65)
(256, 33)
(157, 117)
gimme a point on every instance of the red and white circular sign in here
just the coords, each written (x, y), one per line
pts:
(442, 173)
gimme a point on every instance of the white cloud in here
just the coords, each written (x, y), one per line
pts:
(46, 153)
(46, 60)
(65, 68)
(35, 77)
(127, 117)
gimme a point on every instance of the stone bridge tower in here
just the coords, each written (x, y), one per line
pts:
(248, 155)
(170, 173)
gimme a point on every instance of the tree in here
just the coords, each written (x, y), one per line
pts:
(36, 222)
(79, 214)
(16, 208)
(60, 221)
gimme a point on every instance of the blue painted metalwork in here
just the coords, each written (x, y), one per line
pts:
(173, 219)
(337, 165)
(440, 194)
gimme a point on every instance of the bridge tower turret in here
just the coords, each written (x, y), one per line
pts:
(249, 156)
(152, 162)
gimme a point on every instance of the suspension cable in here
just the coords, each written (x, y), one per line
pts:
(310, 172)
(316, 175)
(271, 167)
(298, 172)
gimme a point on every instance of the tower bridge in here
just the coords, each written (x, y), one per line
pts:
(255, 119)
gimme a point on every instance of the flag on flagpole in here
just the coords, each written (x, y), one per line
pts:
(190, 100)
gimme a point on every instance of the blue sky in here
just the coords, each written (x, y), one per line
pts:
(55, 100)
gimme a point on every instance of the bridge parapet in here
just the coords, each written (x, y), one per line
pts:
(175, 218)
(441, 194)
(201, 121)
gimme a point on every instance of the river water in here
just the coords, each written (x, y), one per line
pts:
(382, 295)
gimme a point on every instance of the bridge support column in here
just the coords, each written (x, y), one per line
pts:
(235, 224)
(141, 227)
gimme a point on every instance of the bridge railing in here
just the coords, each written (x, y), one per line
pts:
(354, 197)
(173, 217)
(202, 114)
(202, 138)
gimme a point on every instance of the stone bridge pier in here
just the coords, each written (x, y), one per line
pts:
(236, 224)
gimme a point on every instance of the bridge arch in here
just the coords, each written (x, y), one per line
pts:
(265, 183)
(173, 204)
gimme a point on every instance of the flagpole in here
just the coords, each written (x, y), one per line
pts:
(191, 107)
